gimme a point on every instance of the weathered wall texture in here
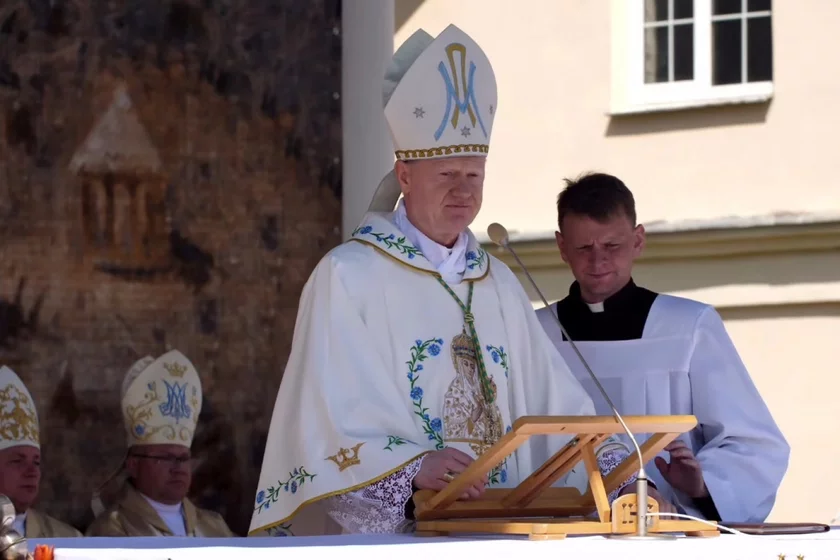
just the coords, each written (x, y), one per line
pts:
(169, 177)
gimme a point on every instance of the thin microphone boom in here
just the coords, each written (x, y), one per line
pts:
(499, 235)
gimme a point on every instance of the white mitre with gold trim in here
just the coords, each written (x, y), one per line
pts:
(161, 400)
(440, 101)
(18, 416)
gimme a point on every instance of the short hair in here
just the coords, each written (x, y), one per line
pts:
(597, 196)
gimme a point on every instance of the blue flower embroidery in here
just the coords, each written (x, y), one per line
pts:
(475, 259)
(394, 441)
(284, 530)
(390, 241)
(297, 478)
(499, 356)
(421, 351)
(499, 474)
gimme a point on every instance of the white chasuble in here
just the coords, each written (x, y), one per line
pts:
(686, 364)
(383, 369)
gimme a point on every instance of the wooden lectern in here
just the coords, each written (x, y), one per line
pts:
(539, 511)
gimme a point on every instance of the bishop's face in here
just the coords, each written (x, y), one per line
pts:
(442, 196)
(162, 472)
(600, 254)
(20, 475)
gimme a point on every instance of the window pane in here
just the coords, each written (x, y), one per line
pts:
(726, 7)
(726, 52)
(683, 9)
(758, 5)
(684, 52)
(656, 55)
(656, 10)
(759, 49)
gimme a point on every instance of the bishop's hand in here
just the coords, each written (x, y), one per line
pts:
(683, 472)
(439, 468)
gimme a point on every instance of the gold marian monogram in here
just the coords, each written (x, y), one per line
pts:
(176, 369)
(18, 422)
(467, 416)
(346, 458)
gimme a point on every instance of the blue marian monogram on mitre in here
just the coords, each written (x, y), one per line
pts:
(468, 106)
(176, 401)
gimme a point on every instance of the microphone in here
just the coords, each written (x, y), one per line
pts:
(499, 235)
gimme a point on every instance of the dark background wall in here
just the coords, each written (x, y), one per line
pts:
(169, 177)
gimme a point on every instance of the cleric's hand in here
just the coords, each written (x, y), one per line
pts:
(683, 472)
(439, 468)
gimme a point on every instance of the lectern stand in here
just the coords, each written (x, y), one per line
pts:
(539, 511)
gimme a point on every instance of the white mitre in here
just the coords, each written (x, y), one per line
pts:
(440, 102)
(18, 417)
(161, 400)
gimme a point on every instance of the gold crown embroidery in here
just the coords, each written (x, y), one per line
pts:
(346, 458)
(463, 347)
(21, 422)
(441, 151)
(175, 370)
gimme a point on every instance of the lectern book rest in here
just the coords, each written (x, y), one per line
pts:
(537, 510)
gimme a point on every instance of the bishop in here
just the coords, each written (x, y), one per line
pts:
(161, 401)
(414, 349)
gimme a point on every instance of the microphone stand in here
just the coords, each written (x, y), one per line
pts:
(499, 235)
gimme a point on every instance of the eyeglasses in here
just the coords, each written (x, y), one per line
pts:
(169, 460)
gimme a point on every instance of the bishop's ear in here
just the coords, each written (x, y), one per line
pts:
(403, 173)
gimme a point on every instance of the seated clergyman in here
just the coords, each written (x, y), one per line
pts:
(20, 460)
(161, 403)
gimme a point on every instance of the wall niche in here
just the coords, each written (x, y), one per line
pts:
(123, 212)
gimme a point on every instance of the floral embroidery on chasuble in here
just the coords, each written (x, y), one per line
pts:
(460, 402)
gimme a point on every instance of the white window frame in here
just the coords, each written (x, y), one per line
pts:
(632, 95)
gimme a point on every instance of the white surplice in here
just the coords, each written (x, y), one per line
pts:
(686, 364)
(381, 373)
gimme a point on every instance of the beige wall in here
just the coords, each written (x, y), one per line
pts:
(791, 352)
(779, 293)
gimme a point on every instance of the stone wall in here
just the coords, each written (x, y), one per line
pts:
(169, 177)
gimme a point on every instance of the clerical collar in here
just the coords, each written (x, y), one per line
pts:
(616, 301)
(162, 508)
(620, 317)
(20, 523)
(450, 263)
(595, 307)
